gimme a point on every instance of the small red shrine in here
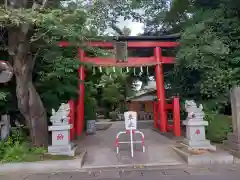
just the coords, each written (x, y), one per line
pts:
(157, 60)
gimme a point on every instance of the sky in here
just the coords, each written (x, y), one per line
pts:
(135, 27)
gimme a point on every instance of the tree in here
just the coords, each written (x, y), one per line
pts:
(126, 31)
(151, 12)
(114, 89)
(30, 28)
(207, 61)
(55, 76)
(177, 16)
(34, 26)
(20, 52)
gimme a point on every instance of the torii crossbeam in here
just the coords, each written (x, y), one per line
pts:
(157, 60)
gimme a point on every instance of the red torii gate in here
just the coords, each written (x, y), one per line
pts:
(157, 60)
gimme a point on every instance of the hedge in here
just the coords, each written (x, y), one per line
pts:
(219, 127)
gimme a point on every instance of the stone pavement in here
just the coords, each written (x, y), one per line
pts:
(101, 150)
(221, 172)
(160, 162)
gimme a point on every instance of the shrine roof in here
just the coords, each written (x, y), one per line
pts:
(148, 38)
(150, 89)
(141, 93)
(169, 38)
(166, 41)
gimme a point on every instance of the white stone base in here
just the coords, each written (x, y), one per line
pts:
(218, 157)
(68, 150)
(203, 144)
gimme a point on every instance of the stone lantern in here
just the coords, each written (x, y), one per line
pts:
(60, 129)
(195, 128)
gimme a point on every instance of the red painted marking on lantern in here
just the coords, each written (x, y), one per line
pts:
(60, 137)
(197, 132)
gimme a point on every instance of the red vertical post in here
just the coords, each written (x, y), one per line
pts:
(160, 90)
(155, 115)
(80, 108)
(176, 117)
(71, 119)
(168, 127)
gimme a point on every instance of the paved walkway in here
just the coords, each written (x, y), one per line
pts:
(194, 173)
(101, 149)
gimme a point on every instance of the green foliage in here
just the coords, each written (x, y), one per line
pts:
(19, 152)
(113, 90)
(177, 16)
(113, 115)
(56, 76)
(219, 127)
(90, 102)
(151, 13)
(7, 103)
(55, 72)
(207, 4)
(16, 148)
(106, 89)
(207, 61)
(183, 113)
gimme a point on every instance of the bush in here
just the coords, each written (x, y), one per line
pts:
(183, 113)
(113, 115)
(16, 148)
(218, 128)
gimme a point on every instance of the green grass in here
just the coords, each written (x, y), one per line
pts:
(23, 153)
(44, 157)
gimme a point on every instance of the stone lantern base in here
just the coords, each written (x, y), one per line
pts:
(196, 149)
(67, 150)
(61, 144)
(205, 144)
(195, 135)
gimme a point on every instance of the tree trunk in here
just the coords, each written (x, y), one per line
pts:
(29, 101)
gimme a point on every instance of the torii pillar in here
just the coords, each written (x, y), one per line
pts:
(80, 107)
(160, 89)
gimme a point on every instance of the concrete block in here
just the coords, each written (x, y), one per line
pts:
(68, 150)
(205, 158)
